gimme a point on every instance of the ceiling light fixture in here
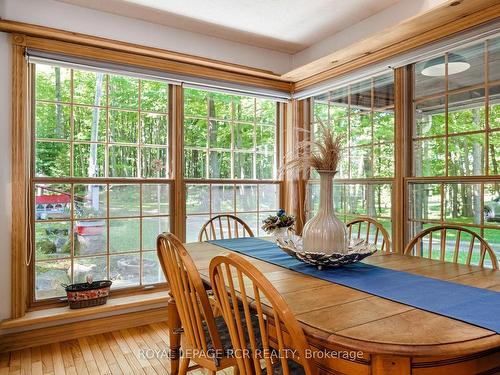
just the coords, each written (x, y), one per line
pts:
(437, 67)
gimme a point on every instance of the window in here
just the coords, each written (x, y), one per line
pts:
(456, 142)
(230, 156)
(364, 114)
(99, 178)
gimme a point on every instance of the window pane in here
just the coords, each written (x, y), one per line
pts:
(89, 88)
(123, 92)
(493, 59)
(222, 198)
(125, 270)
(154, 129)
(123, 126)
(50, 276)
(52, 201)
(124, 200)
(151, 228)
(266, 111)
(195, 102)
(94, 266)
(219, 134)
(463, 203)
(265, 138)
(152, 270)
(473, 73)
(492, 236)
(124, 235)
(466, 155)
(122, 161)
(52, 240)
(427, 84)
(265, 166)
(52, 159)
(244, 108)
(244, 136)
(492, 204)
(252, 220)
(494, 152)
(430, 117)
(425, 201)
(154, 162)
(383, 160)
(155, 199)
(196, 199)
(88, 160)
(361, 162)
(89, 124)
(246, 198)
(219, 164)
(90, 237)
(428, 157)
(90, 201)
(52, 83)
(193, 226)
(466, 111)
(243, 165)
(195, 132)
(219, 106)
(195, 163)
(154, 96)
(75, 137)
(268, 197)
(52, 121)
(494, 100)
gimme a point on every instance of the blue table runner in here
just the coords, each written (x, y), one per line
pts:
(472, 305)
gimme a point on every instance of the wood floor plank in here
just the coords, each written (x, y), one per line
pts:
(36, 361)
(47, 363)
(57, 359)
(98, 356)
(135, 351)
(88, 357)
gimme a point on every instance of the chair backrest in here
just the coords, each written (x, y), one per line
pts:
(189, 293)
(231, 277)
(434, 242)
(370, 230)
(224, 226)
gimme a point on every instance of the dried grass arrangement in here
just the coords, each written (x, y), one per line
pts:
(322, 154)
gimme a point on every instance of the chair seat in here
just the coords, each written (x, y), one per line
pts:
(293, 368)
(220, 323)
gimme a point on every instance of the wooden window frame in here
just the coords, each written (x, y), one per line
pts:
(32, 302)
(366, 181)
(412, 180)
(22, 299)
(278, 155)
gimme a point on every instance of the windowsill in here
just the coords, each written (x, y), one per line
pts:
(59, 314)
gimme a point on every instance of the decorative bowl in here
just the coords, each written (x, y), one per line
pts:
(357, 250)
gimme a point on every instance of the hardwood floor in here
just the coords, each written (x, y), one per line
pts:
(139, 350)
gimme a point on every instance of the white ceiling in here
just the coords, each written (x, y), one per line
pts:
(282, 25)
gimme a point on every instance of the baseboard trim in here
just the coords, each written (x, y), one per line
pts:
(69, 331)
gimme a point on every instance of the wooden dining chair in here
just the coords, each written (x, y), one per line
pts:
(370, 230)
(224, 226)
(234, 281)
(423, 245)
(205, 336)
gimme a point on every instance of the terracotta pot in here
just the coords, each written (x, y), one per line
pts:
(325, 232)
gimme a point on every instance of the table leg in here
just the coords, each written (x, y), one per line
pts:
(175, 329)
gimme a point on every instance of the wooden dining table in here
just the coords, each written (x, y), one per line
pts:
(387, 337)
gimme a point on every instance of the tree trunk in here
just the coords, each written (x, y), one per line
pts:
(59, 125)
(94, 133)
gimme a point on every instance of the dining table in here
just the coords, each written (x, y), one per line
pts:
(354, 332)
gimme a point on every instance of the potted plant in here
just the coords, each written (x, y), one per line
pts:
(279, 224)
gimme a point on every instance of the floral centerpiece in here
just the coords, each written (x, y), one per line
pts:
(278, 224)
(324, 233)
